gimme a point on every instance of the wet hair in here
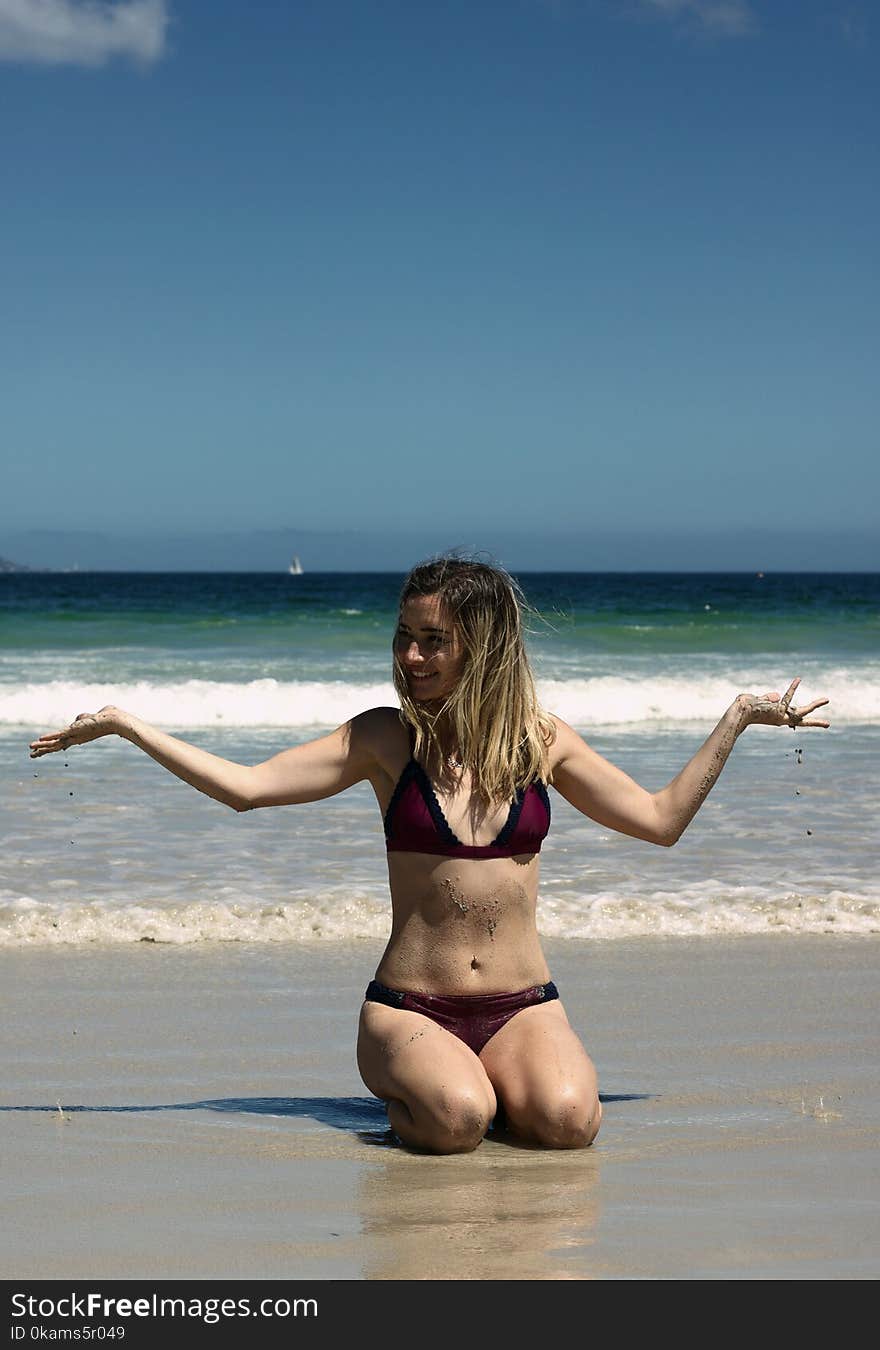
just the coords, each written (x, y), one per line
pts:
(492, 717)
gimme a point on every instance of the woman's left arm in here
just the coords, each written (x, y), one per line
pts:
(610, 797)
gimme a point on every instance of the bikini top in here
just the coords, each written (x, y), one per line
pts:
(415, 823)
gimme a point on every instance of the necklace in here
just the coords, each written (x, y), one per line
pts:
(454, 762)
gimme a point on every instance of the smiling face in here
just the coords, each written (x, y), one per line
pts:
(428, 648)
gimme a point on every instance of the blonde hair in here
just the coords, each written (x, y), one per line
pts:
(492, 716)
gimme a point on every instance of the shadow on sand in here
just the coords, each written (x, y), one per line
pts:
(364, 1116)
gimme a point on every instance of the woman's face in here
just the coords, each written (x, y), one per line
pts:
(428, 648)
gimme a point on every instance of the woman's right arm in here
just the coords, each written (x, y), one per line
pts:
(303, 773)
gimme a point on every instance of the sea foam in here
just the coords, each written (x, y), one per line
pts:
(705, 909)
(604, 700)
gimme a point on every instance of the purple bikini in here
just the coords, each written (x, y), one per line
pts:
(415, 823)
(473, 1018)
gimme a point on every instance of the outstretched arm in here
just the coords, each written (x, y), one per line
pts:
(611, 797)
(304, 773)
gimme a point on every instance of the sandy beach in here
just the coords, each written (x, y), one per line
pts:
(181, 1113)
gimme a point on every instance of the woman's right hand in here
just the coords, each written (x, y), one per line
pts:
(777, 710)
(87, 727)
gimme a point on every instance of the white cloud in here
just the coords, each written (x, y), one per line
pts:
(81, 32)
(727, 17)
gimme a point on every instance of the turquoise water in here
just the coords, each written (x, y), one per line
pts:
(102, 846)
(623, 613)
(68, 633)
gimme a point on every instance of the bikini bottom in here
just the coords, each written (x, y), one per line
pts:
(473, 1018)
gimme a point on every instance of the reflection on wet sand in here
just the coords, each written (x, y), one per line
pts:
(498, 1213)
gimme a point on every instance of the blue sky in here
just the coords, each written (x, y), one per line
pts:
(548, 267)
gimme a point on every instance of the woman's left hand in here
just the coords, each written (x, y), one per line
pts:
(777, 710)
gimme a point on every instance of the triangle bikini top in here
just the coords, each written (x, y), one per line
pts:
(415, 823)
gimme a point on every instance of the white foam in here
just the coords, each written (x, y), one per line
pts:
(332, 916)
(706, 909)
(606, 700)
(197, 703)
(709, 908)
(675, 699)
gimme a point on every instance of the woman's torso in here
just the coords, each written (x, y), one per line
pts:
(460, 925)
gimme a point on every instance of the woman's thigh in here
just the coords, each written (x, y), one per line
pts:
(544, 1078)
(438, 1094)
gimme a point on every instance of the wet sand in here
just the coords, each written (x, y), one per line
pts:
(196, 1113)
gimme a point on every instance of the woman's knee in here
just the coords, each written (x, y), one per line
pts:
(567, 1120)
(455, 1121)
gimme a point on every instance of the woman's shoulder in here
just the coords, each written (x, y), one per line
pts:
(381, 728)
(565, 741)
(384, 738)
(378, 720)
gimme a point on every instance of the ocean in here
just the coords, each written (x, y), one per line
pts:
(101, 846)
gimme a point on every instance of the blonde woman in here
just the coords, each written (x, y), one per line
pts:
(461, 1023)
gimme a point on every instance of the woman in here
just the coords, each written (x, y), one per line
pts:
(462, 1023)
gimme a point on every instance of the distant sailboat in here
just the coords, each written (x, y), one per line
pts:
(295, 569)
